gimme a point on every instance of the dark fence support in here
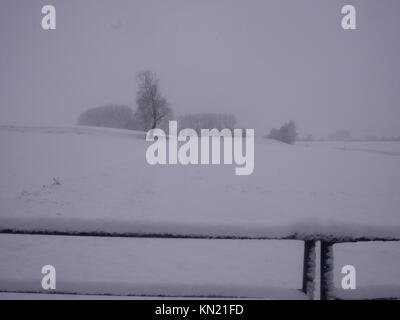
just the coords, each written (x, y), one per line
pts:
(309, 268)
(326, 270)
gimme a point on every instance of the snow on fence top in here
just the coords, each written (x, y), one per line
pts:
(97, 180)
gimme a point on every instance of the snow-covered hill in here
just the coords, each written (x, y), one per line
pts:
(107, 185)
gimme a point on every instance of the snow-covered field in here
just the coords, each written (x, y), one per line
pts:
(106, 185)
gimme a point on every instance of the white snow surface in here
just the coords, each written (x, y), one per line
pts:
(106, 185)
(152, 267)
(174, 267)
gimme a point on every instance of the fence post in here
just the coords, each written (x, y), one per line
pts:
(326, 270)
(309, 268)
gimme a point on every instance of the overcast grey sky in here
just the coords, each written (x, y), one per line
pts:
(265, 61)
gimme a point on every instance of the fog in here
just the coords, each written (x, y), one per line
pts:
(267, 62)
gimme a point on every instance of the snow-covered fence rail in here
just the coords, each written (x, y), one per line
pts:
(309, 257)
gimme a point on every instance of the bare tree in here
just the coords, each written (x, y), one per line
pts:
(152, 107)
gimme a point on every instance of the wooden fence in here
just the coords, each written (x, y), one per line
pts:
(309, 258)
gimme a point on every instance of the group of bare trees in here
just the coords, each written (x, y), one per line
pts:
(152, 109)
(111, 116)
(286, 133)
